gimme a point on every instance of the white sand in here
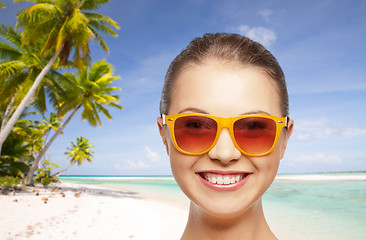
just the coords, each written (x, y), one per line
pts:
(96, 214)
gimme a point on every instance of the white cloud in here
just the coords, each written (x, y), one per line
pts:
(262, 35)
(138, 164)
(152, 156)
(317, 158)
(303, 137)
(322, 129)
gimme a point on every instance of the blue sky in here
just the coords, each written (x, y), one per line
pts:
(321, 46)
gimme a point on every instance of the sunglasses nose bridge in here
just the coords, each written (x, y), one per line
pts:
(225, 123)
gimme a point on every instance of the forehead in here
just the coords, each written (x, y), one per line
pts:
(225, 89)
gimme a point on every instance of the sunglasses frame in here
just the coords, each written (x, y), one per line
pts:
(228, 123)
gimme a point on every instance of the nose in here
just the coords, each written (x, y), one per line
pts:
(224, 150)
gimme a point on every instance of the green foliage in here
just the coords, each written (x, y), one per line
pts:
(47, 180)
(11, 167)
(90, 90)
(66, 25)
(42, 30)
(80, 151)
(44, 173)
(15, 156)
(23, 142)
(20, 64)
(10, 183)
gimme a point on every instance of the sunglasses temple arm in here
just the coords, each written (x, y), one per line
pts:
(287, 121)
(163, 117)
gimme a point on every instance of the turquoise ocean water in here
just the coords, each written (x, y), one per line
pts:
(315, 210)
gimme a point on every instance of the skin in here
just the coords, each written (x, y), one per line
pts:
(225, 90)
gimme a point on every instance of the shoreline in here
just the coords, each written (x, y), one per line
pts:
(357, 176)
(322, 177)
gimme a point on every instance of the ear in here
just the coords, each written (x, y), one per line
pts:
(162, 132)
(290, 128)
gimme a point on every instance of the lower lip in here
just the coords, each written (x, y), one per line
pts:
(223, 187)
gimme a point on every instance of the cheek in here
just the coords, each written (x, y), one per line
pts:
(179, 163)
(182, 167)
(267, 166)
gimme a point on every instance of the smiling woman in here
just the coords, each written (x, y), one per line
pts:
(224, 123)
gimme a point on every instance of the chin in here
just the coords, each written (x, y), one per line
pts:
(227, 209)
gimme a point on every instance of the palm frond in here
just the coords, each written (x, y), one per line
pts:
(102, 109)
(10, 35)
(116, 105)
(18, 1)
(40, 100)
(101, 19)
(61, 36)
(98, 69)
(100, 40)
(40, 12)
(12, 86)
(10, 68)
(50, 41)
(92, 4)
(102, 28)
(96, 117)
(8, 52)
(106, 80)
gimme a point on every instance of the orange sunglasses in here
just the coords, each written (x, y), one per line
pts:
(253, 135)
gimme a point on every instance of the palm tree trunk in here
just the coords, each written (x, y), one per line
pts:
(33, 168)
(26, 100)
(7, 114)
(62, 171)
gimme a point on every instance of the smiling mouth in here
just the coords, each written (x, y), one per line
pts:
(223, 179)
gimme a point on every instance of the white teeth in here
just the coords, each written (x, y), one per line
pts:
(227, 180)
(223, 180)
(232, 180)
(220, 180)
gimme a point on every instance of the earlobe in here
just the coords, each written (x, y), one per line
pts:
(159, 121)
(290, 128)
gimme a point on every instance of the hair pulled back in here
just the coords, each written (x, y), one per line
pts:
(227, 48)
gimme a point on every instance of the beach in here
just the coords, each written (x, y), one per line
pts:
(297, 207)
(87, 212)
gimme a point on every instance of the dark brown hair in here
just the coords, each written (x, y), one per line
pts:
(225, 47)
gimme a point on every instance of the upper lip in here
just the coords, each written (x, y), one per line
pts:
(221, 172)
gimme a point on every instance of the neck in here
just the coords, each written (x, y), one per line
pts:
(250, 225)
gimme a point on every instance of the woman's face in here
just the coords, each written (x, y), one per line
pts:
(224, 90)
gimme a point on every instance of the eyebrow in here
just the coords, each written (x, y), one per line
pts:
(197, 110)
(192, 109)
(255, 112)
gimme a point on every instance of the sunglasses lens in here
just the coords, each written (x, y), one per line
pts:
(255, 135)
(194, 134)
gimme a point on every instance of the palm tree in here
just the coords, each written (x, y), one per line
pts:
(79, 153)
(19, 66)
(48, 124)
(64, 26)
(91, 90)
